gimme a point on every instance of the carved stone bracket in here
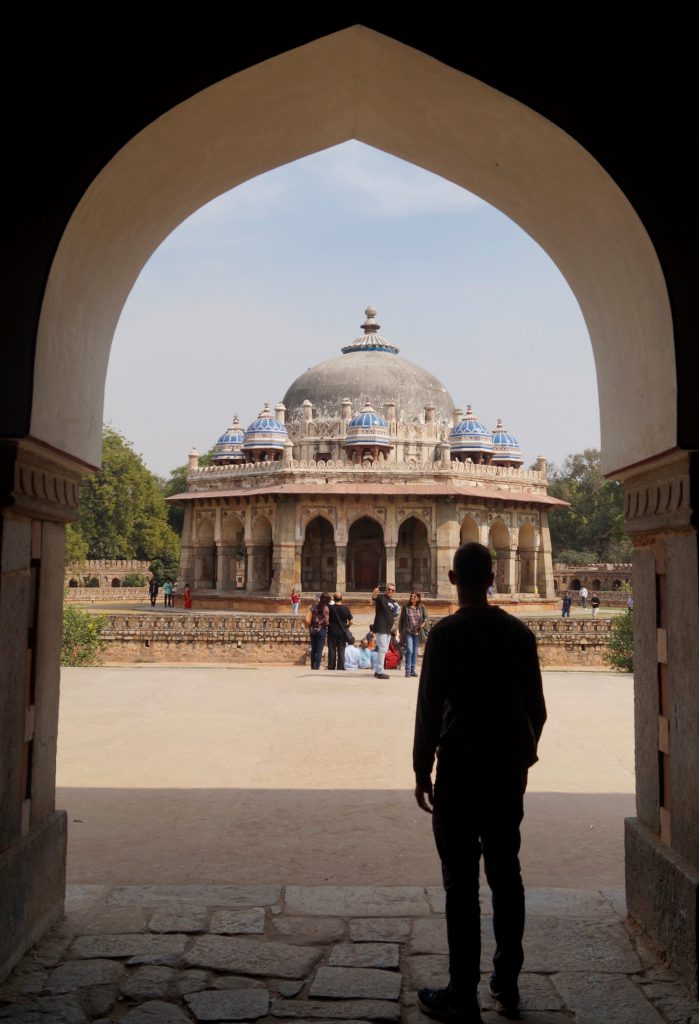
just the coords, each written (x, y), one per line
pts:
(660, 497)
(40, 482)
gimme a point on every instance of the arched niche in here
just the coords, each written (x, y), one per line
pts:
(260, 555)
(526, 559)
(469, 531)
(319, 556)
(366, 554)
(413, 557)
(205, 556)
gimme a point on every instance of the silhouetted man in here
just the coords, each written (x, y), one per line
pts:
(481, 709)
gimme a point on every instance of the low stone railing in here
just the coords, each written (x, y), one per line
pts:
(89, 595)
(402, 469)
(283, 639)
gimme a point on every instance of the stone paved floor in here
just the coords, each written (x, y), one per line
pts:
(161, 954)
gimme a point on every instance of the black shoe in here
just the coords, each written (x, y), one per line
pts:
(507, 998)
(438, 1003)
(415, 674)
(381, 675)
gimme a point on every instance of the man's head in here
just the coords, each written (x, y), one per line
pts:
(364, 643)
(337, 598)
(390, 589)
(473, 570)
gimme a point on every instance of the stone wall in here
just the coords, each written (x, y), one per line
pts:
(281, 639)
(89, 595)
(104, 569)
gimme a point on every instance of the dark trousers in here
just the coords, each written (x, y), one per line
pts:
(474, 815)
(317, 645)
(336, 651)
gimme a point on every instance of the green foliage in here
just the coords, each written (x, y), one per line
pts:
(123, 513)
(576, 557)
(620, 652)
(82, 636)
(163, 569)
(594, 523)
(76, 545)
(134, 579)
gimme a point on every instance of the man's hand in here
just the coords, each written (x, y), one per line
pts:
(424, 794)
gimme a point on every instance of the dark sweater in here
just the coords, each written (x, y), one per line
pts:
(480, 703)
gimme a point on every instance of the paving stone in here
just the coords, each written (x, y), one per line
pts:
(435, 894)
(348, 1010)
(380, 929)
(249, 956)
(365, 954)
(83, 973)
(154, 960)
(573, 944)
(617, 900)
(426, 971)
(310, 930)
(355, 983)
(179, 919)
(156, 1012)
(241, 1005)
(104, 921)
(27, 977)
(64, 1009)
(357, 900)
(149, 982)
(238, 922)
(613, 999)
(234, 981)
(90, 946)
(200, 895)
(429, 935)
(191, 981)
(287, 989)
(567, 903)
(84, 897)
(673, 1002)
(537, 992)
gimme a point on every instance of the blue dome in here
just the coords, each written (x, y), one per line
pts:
(229, 446)
(368, 428)
(505, 446)
(471, 435)
(265, 432)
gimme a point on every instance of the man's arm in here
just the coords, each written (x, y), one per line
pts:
(428, 725)
(532, 687)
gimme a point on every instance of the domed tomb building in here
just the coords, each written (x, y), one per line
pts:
(366, 471)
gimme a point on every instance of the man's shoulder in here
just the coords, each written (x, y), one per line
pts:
(495, 619)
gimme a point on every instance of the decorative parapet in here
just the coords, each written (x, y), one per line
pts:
(92, 595)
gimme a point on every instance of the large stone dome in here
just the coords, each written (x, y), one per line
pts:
(369, 369)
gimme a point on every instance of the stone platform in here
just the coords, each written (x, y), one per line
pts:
(159, 954)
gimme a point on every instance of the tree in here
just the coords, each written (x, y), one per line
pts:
(123, 513)
(620, 652)
(82, 636)
(594, 523)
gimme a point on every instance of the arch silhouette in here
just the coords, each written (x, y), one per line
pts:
(306, 100)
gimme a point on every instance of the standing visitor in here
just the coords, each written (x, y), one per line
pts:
(385, 613)
(153, 591)
(338, 633)
(318, 628)
(410, 625)
(187, 596)
(483, 716)
(567, 601)
(167, 593)
(583, 596)
(295, 600)
(594, 603)
(629, 603)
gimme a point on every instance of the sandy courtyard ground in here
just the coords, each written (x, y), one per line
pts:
(246, 775)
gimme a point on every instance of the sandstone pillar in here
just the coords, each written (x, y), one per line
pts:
(390, 563)
(187, 549)
(507, 570)
(38, 496)
(284, 551)
(249, 561)
(544, 562)
(448, 538)
(662, 842)
(341, 582)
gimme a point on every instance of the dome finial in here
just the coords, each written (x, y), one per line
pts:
(370, 325)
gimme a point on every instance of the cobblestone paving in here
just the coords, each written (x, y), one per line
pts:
(170, 954)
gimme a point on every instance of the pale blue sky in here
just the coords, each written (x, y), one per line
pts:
(274, 276)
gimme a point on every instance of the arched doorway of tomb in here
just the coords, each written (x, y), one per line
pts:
(596, 584)
(231, 553)
(366, 555)
(469, 531)
(575, 584)
(319, 557)
(260, 555)
(526, 559)
(504, 557)
(413, 557)
(205, 555)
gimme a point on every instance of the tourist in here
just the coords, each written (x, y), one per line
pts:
(386, 611)
(594, 603)
(629, 603)
(583, 596)
(153, 591)
(338, 633)
(187, 596)
(167, 593)
(295, 601)
(410, 626)
(357, 657)
(394, 655)
(318, 628)
(484, 715)
(567, 602)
